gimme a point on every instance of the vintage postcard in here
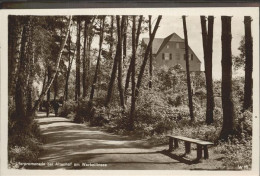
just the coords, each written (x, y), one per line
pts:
(132, 91)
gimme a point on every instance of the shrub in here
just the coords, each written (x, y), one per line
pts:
(23, 146)
(67, 108)
(238, 155)
(244, 124)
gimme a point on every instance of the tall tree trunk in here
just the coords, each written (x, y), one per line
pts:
(56, 70)
(77, 88)
(188, 68)
(84, 94)
(85, 66)
(88, 47)
(128, 75)
(132, 111)
(124, 34)
(248, 88)
(226, 88)
(113, 76)
(68, 70)
(14, 43)
(48, 93)
(55, 82)
(207, 47)
(140, 76)
(21, 81)
(119, 78)
(111, 44)
(102, 22)
(30, 55)
(150, 54)
(55, 87)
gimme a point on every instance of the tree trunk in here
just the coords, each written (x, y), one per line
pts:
(150, 54)
(124, 34)
(138, 30)
(188, 68)
(226, 89)
(140, 76)
(119, 78)
(84, 60)
(128, 75)
(132, 111)
(30, 55)
(207, 48)
(68, 70)
(77, 88)
(56, 70)
(55, 87)
(102, 22)
(111, 45)
(14, 43)
(248, 88)
(48, 93)
(88, 61)
(113, 74)
(21, 81)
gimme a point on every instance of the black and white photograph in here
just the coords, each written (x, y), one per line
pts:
(170, 89)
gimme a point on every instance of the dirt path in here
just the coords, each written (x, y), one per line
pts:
(76, 146)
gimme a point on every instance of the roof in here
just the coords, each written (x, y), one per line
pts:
(173, 37)
(157, 42)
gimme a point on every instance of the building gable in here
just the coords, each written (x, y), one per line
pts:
(171, 50)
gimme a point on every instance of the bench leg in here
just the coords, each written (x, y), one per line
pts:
(176, 145)
(187, 147)
(206, 152)
(199, 151)
(170, 144)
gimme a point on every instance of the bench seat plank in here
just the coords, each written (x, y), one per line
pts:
(196, 141)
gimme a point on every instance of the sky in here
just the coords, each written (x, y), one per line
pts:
(171, 24)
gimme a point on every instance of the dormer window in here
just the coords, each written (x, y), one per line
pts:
(167, 46)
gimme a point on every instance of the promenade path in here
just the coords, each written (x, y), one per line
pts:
(68, 145)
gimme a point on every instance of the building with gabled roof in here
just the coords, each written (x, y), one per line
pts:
(170, 51)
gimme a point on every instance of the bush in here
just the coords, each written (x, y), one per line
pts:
(67, 108)
(238, 153)
(244, 124)
(23, 146)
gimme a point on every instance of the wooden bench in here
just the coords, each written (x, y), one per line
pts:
(187, 141)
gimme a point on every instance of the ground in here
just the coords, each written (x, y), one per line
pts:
(68, 145)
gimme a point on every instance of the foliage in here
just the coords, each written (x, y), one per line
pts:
(239, 61)
(67, 108)
(23, 146)
(238, 153)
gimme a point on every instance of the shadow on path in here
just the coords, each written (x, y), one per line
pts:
(68, 142)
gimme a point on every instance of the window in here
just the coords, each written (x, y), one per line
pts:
(167, 46)
(166, 56)
(170, 56)
(191, 56)
(177, 45)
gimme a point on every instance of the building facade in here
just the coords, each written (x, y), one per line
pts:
(170, 51)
